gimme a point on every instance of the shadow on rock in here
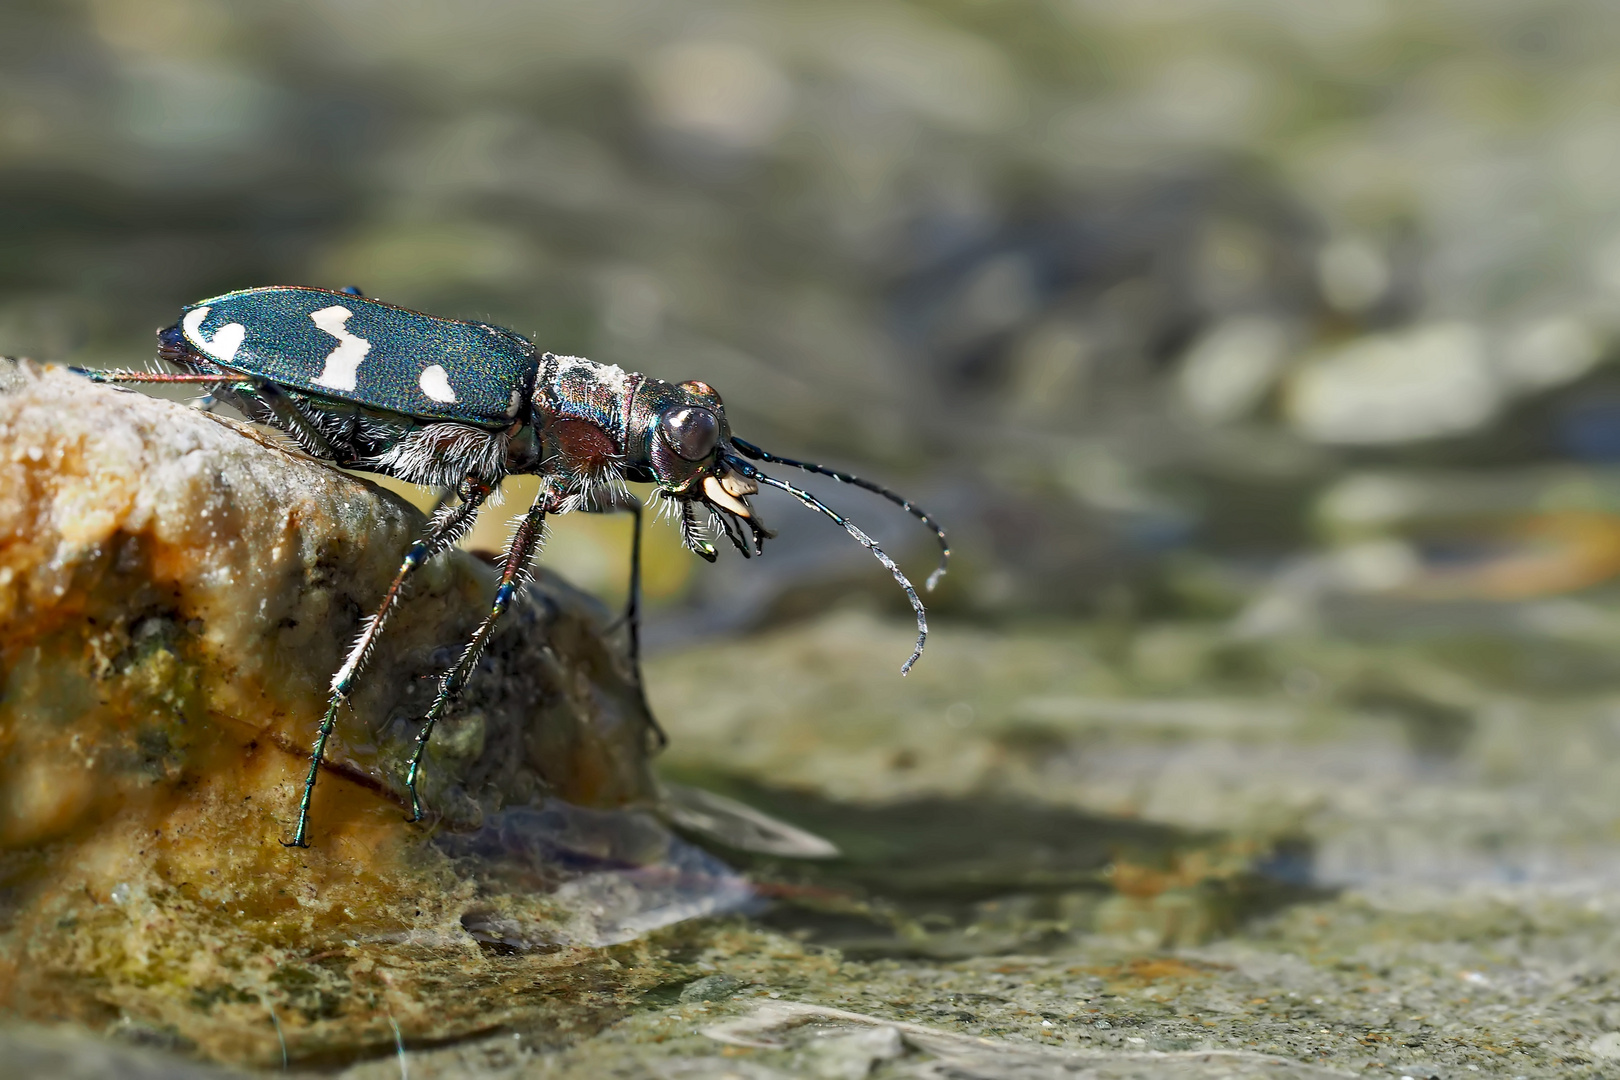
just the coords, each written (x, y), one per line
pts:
(942, 877)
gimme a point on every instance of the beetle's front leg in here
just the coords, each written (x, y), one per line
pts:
(448, 525)
(514, 568)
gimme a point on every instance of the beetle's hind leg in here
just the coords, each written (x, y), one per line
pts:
(172, 348)
(448, 525)
(124, 376)
(260, 400)
(514, 569)
(198, 371)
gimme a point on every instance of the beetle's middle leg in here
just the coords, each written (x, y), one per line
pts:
(514, 568)
(448, 525)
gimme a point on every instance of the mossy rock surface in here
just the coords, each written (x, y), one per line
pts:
(175, 591)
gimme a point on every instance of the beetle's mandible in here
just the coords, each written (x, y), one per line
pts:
(462, 405)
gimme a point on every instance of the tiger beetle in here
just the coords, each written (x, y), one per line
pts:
(460, 406)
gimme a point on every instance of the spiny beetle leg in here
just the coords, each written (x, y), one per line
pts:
(514, 568)
(97, 375)
(448, 525)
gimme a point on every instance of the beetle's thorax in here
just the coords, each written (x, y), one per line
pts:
(594, 417)
(574, 388)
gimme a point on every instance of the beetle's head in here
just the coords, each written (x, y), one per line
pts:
(685, 447)
(679, 439)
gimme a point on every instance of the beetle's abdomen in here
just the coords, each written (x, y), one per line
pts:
(360, 350)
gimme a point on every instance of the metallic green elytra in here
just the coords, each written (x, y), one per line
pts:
(365, 351)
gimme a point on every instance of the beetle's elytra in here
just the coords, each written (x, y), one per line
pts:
(460, 406)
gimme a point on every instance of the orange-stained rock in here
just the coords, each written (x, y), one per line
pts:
(175, 592)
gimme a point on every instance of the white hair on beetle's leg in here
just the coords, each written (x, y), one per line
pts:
(359, 651)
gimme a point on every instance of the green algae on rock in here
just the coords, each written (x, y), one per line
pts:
(174, 591)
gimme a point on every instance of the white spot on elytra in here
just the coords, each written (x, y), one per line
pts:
(226, 340)
(343, 361)
(435, 383)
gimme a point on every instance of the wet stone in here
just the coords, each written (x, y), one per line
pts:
(711, 988)
(175, 591)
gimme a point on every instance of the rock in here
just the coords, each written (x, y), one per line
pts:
(1605, 1047)
(838, 1044)
(711, 988)
(1423, 383)
(852, 1055)
(1229, 370)
(64, 1054)
(191, 570)
(175, 591)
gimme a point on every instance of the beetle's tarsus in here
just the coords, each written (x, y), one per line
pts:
(317, 754)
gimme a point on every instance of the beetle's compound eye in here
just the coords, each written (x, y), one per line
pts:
(690, 431)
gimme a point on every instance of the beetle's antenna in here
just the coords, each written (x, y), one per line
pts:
(758, 454)
(866, 541)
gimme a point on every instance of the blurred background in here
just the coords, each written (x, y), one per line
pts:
(1240, 309)
(1260, 356)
